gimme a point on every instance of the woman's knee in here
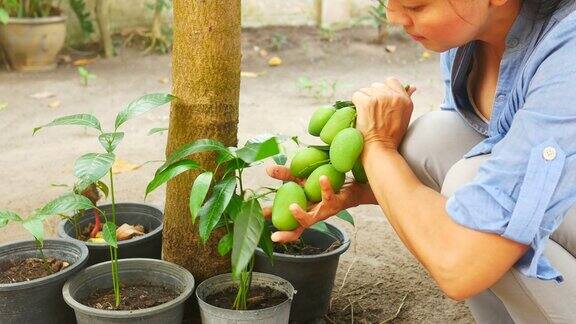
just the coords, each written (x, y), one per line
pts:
(433, 143)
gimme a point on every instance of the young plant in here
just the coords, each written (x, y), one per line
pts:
(319, 90)
(378, 14)
(34, 223)
(90, 168)
(45, 8)
(85, 75)
(230, 205)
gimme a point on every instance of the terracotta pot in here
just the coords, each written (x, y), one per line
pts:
(32, 44)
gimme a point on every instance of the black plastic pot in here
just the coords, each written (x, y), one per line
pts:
(311, 275)
(148, 245)
(40, 301)
(132, 271)
(278, 314)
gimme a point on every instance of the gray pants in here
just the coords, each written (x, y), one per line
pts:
(434, 147)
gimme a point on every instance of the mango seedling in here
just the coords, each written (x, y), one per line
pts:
(34, 223)
(90, 168)
(219, 200)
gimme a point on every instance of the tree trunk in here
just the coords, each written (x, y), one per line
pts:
(103, 18)
(206, 78)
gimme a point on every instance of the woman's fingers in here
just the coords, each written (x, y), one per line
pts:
(267, 212)
(287, 236)
(326, 188)
(281, 173)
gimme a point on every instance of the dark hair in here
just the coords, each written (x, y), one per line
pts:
(545, 8)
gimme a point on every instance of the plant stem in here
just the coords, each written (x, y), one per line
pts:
(42, 256)
(114, 250)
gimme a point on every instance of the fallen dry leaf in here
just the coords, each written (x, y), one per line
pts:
(3, 105)
(121, 166)
(263, 52)
(42, 95)
(54, 103)
(97, 240)
(125, 231)
(425, 55)
(164, 80)
(275, 61)
(390, 48)
(65, 59)
(86, 61)
(252, 74)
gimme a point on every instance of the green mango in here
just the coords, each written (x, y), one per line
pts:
(307, 160)
(342, 118)
(319, 118)
(312, 185)
(346, 149)
(359, 173)
(288, 194)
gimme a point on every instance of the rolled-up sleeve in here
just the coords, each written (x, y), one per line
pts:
(526, 187)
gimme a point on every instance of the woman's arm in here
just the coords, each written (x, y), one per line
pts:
(463, 262)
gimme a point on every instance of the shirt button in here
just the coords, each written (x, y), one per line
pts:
(549, 153)
(513, 42)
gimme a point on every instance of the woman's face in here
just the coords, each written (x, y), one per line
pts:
(441, 24)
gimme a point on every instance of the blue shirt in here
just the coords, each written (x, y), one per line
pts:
(529, 182)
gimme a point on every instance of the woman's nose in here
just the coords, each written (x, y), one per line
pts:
(397, 17)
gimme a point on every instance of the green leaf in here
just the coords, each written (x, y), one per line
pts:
(91, 167)
(157, 130)
(142, 105)
(321, 227)
(79, 8)
(103, 187)
(109, 234)
(346, 216)
(234, 206)
(225, 244)
(198, 193)
(280, 159)
(3, 16)
(198, 146)
(259, 148)
(266, 243)
(66, 204)
(171, 172)
(86, 120)
(109, 141)
(212, 210)
(35, 226)
(247, 231)
(8, 216)
(234, 164)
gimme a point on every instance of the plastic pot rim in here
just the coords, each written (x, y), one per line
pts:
(81, 308)
(102, 246)
(83, 249)
(316, 257)
(228, 277)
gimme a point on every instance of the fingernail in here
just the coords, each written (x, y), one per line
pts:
(293, 207)
(275, 237)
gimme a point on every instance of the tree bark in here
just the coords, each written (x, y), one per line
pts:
(206, 78)
(103, 18)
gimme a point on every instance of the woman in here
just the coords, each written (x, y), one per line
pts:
(475, 190)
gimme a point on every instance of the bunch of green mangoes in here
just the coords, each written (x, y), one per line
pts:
(335, 127)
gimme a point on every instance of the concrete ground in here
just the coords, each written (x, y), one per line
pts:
(378, 269)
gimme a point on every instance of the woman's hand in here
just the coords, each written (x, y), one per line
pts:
(331, 203)
(384, 111)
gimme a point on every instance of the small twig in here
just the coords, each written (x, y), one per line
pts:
(329, 319)
(351, 312)
(346, 275)
(398, 311)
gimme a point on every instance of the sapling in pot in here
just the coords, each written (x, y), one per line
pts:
(34, 224)
(229, 205)
(91, 168)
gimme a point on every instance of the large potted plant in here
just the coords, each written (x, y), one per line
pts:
(32, 273)
(32, 32)
(242, 296)
(138, 226)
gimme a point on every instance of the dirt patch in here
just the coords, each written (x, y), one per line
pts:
(132, 297)
(30, 269)
(259, 298)
(301, 248)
